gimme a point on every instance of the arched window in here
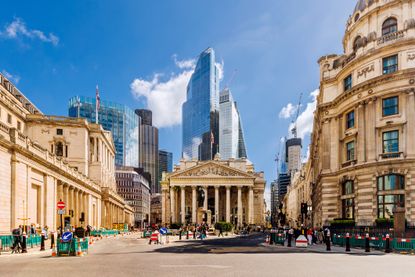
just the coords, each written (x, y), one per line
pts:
(389, 26)
(59, 149)
(356, 43)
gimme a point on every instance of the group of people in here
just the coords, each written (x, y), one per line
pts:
(23, 231)
(313, 235)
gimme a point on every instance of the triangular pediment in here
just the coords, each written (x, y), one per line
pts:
(211, 169)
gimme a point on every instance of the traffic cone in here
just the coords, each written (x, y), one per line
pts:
(54, 251)
(79, 250)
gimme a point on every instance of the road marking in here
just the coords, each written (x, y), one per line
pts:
(198, 266)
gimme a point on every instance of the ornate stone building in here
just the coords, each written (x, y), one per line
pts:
(363, 146)
(44, 159)
(212, 191)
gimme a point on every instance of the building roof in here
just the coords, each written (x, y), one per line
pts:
(362, 5)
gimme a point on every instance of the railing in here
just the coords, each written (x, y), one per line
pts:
(8, 240)
(391, 37)
(349, 163)
(392, 155)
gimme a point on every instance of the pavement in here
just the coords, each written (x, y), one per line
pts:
(230, 256)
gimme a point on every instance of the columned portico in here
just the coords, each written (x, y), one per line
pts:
(213, 191)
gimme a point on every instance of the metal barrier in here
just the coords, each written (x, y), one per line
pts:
(104, 233)
(6, 242)
(279, 239)
(70, 248)
(403, 244)
(377, 242)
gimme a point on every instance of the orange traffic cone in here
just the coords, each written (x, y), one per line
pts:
(54, 251)
(79, 250)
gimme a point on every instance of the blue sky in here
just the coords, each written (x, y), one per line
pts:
(140, 54)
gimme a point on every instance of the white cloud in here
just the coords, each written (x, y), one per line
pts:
(220, 66)
(164, 98)
(305, 119)
(287, 111)
(184, 64)
(18, 28)
(12, 78)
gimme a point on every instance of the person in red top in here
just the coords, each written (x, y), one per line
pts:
(310, 236)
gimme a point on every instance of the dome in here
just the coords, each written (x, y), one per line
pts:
(362, 4)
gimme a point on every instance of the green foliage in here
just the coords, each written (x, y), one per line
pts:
(384, 222)
(342, 222)
(225, 226)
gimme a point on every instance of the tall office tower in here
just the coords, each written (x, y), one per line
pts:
(200, 112)
(293, 155)
(232, 144)
(275, 203)
(149, 148)
(165, 162)
(117, 118)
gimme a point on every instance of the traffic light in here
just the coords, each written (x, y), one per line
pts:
(304, 208)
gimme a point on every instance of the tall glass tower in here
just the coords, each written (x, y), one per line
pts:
(200, 112)
(117, 118)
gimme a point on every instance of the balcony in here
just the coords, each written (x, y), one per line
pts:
(390, 37)
(391, 155)
(349, 163)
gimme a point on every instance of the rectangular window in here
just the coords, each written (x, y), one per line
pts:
(9, 118)
(390, 64)
(350, 151)
(391, 142)
(59, 132)
(347, 83)
(386, 204)
(390, 106)
(350, 120)
(391, 182)
(19, 125)
(348, 208)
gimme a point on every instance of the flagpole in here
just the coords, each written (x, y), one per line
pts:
(96, 104)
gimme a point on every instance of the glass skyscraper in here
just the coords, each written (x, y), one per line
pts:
(165, 162)
(117, 118)
(200, 112)
(231, 137)
(148, 158)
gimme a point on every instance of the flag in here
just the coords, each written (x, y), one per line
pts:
(97, 104)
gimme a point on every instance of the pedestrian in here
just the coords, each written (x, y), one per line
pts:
(290, 236)
(17, 233)
(310, 236)
(327, 237)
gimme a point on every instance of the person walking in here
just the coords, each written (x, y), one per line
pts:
(290, 236)
(17, 246)
(310, 236)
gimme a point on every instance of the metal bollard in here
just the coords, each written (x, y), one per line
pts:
(180, 234)
(328, 244)
(367, 243)
(271, 239)
(42, 243)
(289, 240)
(387, 244)
(347, 242)
(24, 246)
(194, 233)
(52, 240)
(187, 234)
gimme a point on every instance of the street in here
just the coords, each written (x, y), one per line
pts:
(239, 256)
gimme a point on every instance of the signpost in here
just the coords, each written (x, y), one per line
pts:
(61, 211)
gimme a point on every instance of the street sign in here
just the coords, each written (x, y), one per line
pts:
(67, 237)
(61, 205)
(163, 231)
(61, 211)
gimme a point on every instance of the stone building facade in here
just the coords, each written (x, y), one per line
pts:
(135, 190)
(212, 191)
(45, 159)
(363, 147)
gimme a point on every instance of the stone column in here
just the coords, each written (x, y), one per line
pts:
(183, 204)
(194, 206)
(251, 206)
(239, 206)
(173, 205)
(205, 202)
(360, 147)
(228, 204)
(216, 204)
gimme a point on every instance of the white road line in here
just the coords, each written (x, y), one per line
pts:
(198, 266)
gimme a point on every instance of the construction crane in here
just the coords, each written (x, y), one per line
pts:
(231, 79)
(294, 121)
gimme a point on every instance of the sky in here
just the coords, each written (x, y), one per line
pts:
(142, 53)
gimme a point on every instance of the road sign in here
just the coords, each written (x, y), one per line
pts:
(61, 211)
(67, 237)
(163, 231)
(61, 205)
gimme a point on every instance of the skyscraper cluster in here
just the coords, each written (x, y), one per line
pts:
(211, 120)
